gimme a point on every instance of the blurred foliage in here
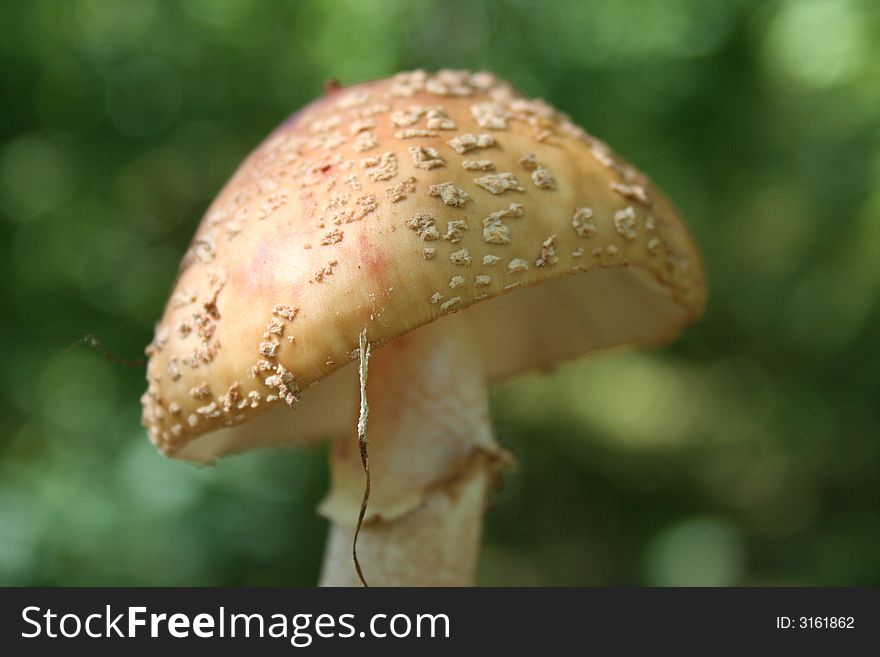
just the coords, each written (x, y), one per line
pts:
(747, 453)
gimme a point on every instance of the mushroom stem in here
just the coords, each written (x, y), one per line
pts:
(432, 459)
(437, 544)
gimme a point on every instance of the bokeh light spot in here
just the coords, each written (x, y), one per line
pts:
(699, 551)
(36, 176)
(817, 43)
(22, 521)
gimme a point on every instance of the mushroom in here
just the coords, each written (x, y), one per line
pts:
(419, 235)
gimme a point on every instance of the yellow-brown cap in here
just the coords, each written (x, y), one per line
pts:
(385, 206)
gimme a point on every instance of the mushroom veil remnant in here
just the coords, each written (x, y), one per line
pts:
(426, 234)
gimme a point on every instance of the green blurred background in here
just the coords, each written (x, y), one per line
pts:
(747, 453)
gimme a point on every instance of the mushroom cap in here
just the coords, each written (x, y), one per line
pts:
(388, 205)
